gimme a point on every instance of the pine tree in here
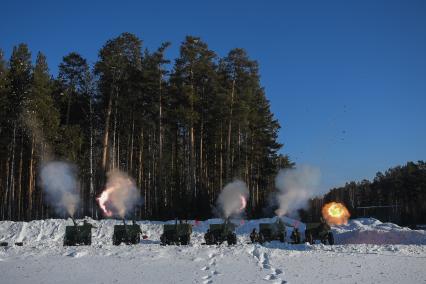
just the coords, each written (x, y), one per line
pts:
(182, 134)
(117, 59)
(41, 121)
(192, 72)
(20, 77)
(4, 132)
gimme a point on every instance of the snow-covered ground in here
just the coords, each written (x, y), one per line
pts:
(366, 251)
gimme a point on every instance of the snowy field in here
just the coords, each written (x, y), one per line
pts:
(366, 251)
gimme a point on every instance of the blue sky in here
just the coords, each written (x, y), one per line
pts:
(346, 79)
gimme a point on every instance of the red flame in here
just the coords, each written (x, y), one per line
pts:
(103, 200)
(243, 203)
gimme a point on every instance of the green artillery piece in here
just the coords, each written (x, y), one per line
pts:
(270, 232)
(319, 231)
(128, 234)
(176, 234)
(78, 235)
(218, 233)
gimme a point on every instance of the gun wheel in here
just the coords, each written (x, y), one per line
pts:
(330, 238)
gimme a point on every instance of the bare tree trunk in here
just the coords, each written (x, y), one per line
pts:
(31, 171)
(6, 194)
(67, 119)
(113, 158)
(200, 171)
(118, 151)
(93, 212)
(239, 145)
(221, 158)
(192, 141)
(131, 147)
(17, 208)
(12, 174)
(160, 138)
(141, 173)
(106, 134)
(228, 154)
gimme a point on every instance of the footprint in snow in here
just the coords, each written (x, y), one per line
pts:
(77, 254)
(270, 277)
(278, 271)
(264, 263)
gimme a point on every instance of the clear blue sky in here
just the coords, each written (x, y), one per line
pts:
(346, 79)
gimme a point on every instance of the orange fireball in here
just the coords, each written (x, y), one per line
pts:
(335, 213)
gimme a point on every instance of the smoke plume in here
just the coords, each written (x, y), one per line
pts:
(58, 180)
(295, 188)
(120, 196)
(233, 199)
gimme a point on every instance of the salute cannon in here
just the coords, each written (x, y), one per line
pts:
(128, 234)
(77, 235)
(319, 231)
(176, 234)
(218, 233)
(269, 232)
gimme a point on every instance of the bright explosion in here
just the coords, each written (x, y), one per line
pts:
(335, 213)
(243, 203)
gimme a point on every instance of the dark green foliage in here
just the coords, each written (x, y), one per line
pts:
(182, 133)
(398, 196)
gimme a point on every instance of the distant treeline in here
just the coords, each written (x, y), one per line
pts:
(398, 195)
(182, 131)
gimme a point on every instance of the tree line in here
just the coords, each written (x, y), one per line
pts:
(398, 195)
(182, 130)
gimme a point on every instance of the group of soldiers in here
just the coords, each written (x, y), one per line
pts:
(295, 236)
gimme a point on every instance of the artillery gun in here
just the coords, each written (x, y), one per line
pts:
(270, 232)
(319, 231)
(77, 235)
(218, 233)
(176, 234)
(128, 234)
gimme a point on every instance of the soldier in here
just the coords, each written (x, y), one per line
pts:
(254, 236)
(208, 237)
(295, 236)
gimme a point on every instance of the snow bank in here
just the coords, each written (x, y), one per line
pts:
(372, 231)
(363, 254)
(358, 231)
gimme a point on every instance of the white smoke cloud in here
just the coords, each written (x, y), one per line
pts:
(59, 182)
(233, 199)
(120, 196)
(295, 188)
